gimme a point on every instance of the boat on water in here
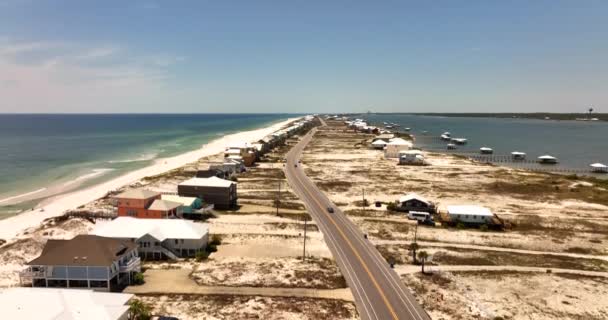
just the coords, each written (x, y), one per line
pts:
(599, 168)
(446, 137)
(547, 159)
(486, 150)
(516, 155)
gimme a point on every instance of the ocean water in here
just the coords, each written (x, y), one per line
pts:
(576, 144)
(41, 153)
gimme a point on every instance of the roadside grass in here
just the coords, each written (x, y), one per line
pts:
(548, 188)
(460, 256)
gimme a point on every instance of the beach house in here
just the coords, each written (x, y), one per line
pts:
(244, 150)
(135, 202)
(219, 192)
(163, 209)
(396, 145)
(85, 261)
(415, 202)
(188, 204)
(470, 214)
(157, 238)
(63, 304)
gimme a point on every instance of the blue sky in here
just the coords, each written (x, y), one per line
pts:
(303, 56)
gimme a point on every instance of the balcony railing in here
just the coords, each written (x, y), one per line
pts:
(134, 264)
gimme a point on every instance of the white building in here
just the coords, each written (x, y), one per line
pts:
(396, 145)
(379, 144)
(63, 304)
(158, 238)
(470, 214)
(411, 157)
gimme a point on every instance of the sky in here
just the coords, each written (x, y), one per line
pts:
(303, 56)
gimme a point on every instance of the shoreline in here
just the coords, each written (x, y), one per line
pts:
(11, 227)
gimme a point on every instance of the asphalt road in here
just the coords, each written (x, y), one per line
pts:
(379, 292)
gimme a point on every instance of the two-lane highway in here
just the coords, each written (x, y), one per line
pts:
(379, 292)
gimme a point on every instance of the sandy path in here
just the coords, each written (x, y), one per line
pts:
(11, 227)
(415, 269)
(177, 281)
(487, 248)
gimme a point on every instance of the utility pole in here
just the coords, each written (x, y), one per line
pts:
(279, 198)
(304, 246)
(363, 203)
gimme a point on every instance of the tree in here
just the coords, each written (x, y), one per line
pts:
(139, 310)
(423, 255)
(413, 247)
(138, 278)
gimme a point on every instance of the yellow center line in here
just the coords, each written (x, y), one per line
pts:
(392, 311)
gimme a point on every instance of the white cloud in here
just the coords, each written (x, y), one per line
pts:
(60, 77)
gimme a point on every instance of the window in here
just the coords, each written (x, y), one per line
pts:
(176, 241)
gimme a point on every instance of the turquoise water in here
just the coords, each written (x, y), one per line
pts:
(575, 143)
(39, 153)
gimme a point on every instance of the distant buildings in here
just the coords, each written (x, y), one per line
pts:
(158, 238)
(395, 146)
(220, 192)
(86, 261)
(63, 304)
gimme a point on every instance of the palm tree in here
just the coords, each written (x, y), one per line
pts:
(413, 247)
(423, 255)
(139, 310)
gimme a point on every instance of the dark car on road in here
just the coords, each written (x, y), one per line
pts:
(330, 209)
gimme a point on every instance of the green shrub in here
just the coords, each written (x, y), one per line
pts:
(139, 310)
(201, 256)
(216, 239)
(391, 207)
(483, 227)
(460, 225)
(211, 248)
(234, 178)
(138, 278)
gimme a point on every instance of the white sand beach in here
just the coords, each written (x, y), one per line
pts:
(14, 226)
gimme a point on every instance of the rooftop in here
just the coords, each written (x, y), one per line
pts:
(469, 209)
(161, 229)
(83, 250)
(208, 182)
(62, 304)
(137, 194)
(164, 205)
(412, 196)
(185, 201)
